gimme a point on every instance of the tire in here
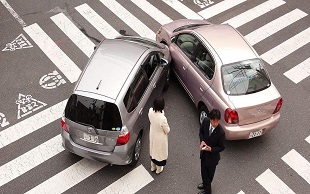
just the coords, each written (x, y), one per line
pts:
(203, 112)
(137, 151)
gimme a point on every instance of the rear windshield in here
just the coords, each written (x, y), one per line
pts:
(245, 77)
(92, 112)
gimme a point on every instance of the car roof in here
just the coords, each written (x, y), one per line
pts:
(110, 66)
(227, 42)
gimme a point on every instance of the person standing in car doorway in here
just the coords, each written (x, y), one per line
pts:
(212, 142)
(159, 130)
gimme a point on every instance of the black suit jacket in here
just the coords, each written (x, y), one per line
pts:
(216, 141)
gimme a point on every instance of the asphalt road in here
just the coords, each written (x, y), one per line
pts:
(24, 67)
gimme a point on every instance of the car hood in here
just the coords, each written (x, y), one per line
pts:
(256, 107)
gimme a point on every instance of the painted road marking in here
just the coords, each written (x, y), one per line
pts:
(77, 37)
(31, 124)
(298, 163)
(69, 177)
(3, 121)
(129, 19)
(275, 26)
(272, 183)
(219, 8)
(287, 47)
(27, 105)
(14, 14)
(30, 159)
(299, 72)
(241, 192)
(253, 13)
(53, 52)
(130, 183)
(182, 9)
(20, 42)
(204, 3)
(152, 11)
(51, 80)
(308, 139)
(98, 22)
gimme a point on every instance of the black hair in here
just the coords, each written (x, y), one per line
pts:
(158, 104)
(215, 114)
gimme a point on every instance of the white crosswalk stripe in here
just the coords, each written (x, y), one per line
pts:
(129, 19)
(254, 13)
(98, 22)
(275, 26)
(53, 52)
(139, 177)
(272, 183)
(74, 34)
(298, 163)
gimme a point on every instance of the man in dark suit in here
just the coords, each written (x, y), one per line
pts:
(212, 142)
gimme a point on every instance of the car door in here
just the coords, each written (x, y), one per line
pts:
(200, 73)
(182, 50)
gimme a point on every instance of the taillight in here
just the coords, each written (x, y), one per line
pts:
(63, 125)
(279, 105)
(231, 116)
(123, 137)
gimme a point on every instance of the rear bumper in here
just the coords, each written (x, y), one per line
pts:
(243, 132)
(120, 156)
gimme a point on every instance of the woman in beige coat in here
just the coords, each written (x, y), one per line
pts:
(159, 130)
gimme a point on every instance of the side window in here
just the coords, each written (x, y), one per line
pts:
(150, 64)
(187, 44)
(204, 62)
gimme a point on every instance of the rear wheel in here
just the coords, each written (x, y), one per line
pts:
(137, 151)
(203, 113)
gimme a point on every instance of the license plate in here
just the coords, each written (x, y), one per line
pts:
(90, 138)
(256, 133)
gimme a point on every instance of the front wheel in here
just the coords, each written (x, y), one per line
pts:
(203, 113)
(137, 151)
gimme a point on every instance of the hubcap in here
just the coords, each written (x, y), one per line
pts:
(203, 115)
(137, 149)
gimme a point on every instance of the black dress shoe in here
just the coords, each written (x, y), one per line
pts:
(202, 192)
(200, 186)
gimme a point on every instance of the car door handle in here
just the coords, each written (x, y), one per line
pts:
(201, 88)
(184, 68)
(141, 111)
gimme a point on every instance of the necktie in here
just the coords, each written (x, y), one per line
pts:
(210, 130)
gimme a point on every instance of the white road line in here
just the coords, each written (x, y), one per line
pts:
(69, 177)
(152, 11)
(298, 163)
(98, 22)
(299, 72)
(77, 37)
(241, 192)
(253, 13)
(219, 8)
(129, 19)
(272, 183)
(182, 9)
(53, 52)
(287, 47)
(275, 26)
(30, 159)
(14, 14)
(31, 124)
(130, 183)
(308, 139)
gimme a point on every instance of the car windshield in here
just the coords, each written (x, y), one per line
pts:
(245, 77)
(93, 112)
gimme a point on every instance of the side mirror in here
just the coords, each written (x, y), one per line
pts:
(163, 61)
(173, 39)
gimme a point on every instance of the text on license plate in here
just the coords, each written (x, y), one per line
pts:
(90, 138)
(256, 133)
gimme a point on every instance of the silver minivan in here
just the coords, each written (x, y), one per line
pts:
(105, 116)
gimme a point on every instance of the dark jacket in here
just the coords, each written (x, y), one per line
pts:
(216, 141)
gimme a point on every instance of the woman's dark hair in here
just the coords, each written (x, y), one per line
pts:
(215, 114)
(158, 104)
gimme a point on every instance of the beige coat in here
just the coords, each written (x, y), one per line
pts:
(159, 130)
